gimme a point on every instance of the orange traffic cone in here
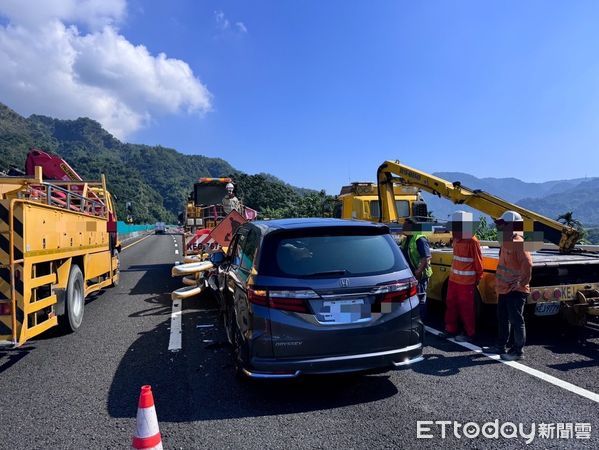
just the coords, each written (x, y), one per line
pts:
(148, 434)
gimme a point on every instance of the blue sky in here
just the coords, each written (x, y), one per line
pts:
(318, 93)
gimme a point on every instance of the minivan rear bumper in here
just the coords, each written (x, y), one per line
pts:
(292, 368)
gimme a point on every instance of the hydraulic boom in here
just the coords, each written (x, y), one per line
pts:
(535, 225)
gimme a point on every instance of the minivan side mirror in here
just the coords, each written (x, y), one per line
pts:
(217, 258)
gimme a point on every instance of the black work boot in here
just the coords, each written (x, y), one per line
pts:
(513, 355)
(494, 350)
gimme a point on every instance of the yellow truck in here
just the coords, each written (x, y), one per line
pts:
(360, 200)
(565, 276)
(58, 244)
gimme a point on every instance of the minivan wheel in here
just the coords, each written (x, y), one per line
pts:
(228, 324)
(239, 354)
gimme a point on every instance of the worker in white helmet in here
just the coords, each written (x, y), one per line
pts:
(466, 272)
(512, 285)
(230, 201)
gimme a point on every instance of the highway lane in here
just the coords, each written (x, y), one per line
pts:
(81, 390)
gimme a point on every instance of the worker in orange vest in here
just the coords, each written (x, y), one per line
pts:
(466, 272)
(512, 285)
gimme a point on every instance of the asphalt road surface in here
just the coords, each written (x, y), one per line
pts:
(80, 390)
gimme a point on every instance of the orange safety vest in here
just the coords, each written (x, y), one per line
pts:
(467, 263)
(514, 268)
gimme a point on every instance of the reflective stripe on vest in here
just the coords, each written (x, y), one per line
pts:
(465, 273)
(462, 264)
(506, 274)
(507, 269)
(463, 259)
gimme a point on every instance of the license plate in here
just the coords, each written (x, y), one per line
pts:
(341, 311)
(547, 308)
(569, 292)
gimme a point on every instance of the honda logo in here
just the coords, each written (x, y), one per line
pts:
(344, 282)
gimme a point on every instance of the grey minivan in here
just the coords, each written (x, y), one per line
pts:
(315, 296)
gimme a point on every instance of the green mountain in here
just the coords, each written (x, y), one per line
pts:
(155, 179)
(581, 200)
(550, 198)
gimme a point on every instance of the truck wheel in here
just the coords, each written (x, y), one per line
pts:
(478, 314)
(74, 300)
(116, 277)
(486, 315)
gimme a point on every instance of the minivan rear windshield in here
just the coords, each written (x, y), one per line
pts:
(331, 255)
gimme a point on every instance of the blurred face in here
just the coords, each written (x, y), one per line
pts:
(408, 228)
(506, 230)
(230, 191)
(462, 230)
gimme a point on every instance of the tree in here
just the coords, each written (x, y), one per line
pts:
(484, 231)
(568, 219)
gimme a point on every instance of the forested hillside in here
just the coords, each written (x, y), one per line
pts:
(156, 180)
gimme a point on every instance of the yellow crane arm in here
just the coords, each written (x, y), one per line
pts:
(393, 172)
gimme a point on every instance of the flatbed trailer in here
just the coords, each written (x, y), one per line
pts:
(566, 283)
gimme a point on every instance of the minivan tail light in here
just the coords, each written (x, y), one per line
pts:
(289, 304)
(258, 296)
(291, 300)
(286, 300)
(398, 291)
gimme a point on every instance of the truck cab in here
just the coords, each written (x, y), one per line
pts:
(204, 208)
(360, 200)
(160, 228)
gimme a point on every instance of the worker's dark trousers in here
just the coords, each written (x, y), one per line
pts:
(510, 314)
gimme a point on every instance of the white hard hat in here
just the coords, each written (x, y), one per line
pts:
(462, 216)
(511, 216)
(230, 186)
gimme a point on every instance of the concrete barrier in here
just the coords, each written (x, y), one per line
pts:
(128, 231)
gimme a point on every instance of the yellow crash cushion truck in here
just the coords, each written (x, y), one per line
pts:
(58, 244)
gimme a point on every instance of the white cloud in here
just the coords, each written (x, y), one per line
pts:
(221, 21)
(223, 24)
(49, 66)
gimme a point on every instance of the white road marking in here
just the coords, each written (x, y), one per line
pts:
(529, 370)
(592, 326)
(176, 252)
(174, 342)
(136, 242)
